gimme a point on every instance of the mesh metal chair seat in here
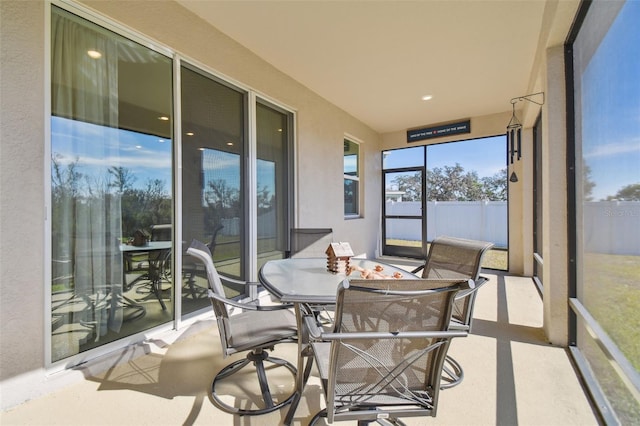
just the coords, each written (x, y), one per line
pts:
(456, 258)
(384, 357)
(256, 329)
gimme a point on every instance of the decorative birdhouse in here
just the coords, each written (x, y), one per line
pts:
(338, 257)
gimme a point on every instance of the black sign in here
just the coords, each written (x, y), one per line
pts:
(439, 131)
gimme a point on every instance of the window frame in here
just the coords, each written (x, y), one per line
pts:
(356, 180)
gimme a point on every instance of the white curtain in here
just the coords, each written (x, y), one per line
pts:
(86, 211)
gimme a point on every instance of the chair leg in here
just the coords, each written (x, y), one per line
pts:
(452, 373)
(258, 358)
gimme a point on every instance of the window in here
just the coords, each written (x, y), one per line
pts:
(606, 67)
(351, 178)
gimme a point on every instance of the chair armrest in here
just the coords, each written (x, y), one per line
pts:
(247, 306)
(237, 282)
(476, 285)
(394, 335)
(315, 331)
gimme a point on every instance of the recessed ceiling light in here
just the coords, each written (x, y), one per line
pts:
(427, 97)
(201, 149)
(229, 143)
(94, 54)
(280, 130)
(189, 133)
(163, 118)
(161, 140)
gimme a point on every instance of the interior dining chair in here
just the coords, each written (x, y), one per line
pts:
(457, 258)
(383, 359)
(255, 329)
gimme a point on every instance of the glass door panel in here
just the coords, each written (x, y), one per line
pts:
(404, 222)
(213, 208)
(273, 130)
(111, 186)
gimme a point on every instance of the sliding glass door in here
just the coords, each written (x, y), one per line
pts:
(113, 253)
(111, 184)
(273, 134)
(213, 170)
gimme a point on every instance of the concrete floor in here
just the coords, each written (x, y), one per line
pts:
(512, 377)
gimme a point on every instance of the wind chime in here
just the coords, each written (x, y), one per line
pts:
(514, 131)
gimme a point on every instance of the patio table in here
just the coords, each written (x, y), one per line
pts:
(304, 282)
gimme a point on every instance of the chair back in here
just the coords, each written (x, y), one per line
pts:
(457, 258)
(310, 242)
(161, 232)
(390, 344)
(201, 251)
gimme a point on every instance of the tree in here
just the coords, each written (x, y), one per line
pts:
(266, 201)
(411, 185)
(495, 187)
(452, 183)
(222, 201)
(124, 178)
(587, 183)
(628, 193)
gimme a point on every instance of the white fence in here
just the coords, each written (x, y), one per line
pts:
(478, 220)
(612, 227)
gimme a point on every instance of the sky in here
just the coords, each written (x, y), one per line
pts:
(97, 148)
(486, 156)
(610, 106)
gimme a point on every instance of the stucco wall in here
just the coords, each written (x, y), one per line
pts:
(22, 212)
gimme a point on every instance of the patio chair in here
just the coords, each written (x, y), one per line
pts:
(191, 269)
(310, 242)
(457, 258)
(383, 360)
(255, 329)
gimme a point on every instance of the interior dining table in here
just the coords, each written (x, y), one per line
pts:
(307, 284)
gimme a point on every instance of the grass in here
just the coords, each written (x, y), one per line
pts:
(611, 293)
(493, 259)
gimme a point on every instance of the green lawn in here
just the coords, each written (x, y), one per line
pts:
(493, 259)
(611, 293)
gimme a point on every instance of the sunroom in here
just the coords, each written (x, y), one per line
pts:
(147, 125)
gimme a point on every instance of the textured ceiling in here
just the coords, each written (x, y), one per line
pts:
(376, 59)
